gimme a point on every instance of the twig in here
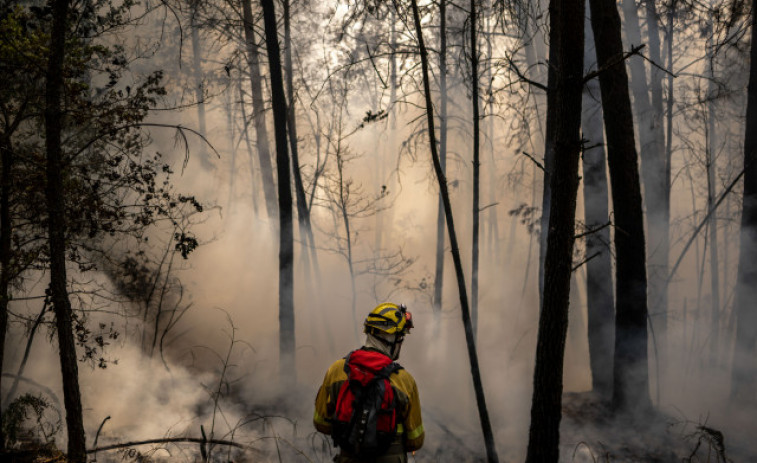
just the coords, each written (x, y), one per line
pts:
(522, 77)
(578, 265)
(533, 159)
(97, 435)
(592, 230)
(167, 440)
(634, 51)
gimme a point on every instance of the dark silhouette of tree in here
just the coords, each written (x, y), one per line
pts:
(483, 413)
(744, 374)
(286, 238)
(258, 110)
(564, 117)
(476, 167)
(57, 235)
(439, 267)
(630, 375)
(599, 292)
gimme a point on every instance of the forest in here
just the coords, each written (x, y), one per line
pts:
(201, 201)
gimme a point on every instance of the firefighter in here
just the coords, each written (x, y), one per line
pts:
(385, 328)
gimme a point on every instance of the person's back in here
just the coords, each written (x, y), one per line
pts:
(397, 422)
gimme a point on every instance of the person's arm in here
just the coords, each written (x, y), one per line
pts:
(413, 425)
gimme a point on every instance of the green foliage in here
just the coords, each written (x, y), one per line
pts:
(28, 419)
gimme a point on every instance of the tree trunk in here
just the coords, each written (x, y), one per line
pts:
(599, 296)
(303, 213)
(653, 169)
(258, 112)
(439, 270)
(6, 159)
(246, 133)
(57, 236)
(711, 168)
(564, 119)
(199, 85)
(630, 376)
(743, 384)
(288, 373)
(483, 413)
(476, 168)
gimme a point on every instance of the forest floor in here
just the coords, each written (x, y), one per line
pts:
(595, 436)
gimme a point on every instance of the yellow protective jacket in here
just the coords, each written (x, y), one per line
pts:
(409, 423)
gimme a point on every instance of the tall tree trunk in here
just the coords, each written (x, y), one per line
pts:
(743, 384)
(288, 373)
(653, 168)
(246, 134)
(6, 159)
(478, 387)
(476, 168)
(599, 297)
(439, 270)
(303, 213)
(711, 168)
(566, 36)
(199, 84)
(57, 235)
(630, 376)
(258, 112)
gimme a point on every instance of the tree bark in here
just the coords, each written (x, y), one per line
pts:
(476, 168)
(711, 168)
(57, 235)
(630, 376)
(439, 269)
(286, 239)
(6, 159)
(303, 213)
(258, 112)
(653, 169)
(564, 118)
(743, 383)
(599, 292)
(483, 413)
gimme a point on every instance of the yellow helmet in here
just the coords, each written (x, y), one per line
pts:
(389, 318)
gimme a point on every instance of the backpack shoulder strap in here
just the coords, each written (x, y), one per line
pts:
(388, 370)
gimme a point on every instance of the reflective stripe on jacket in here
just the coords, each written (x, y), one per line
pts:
(409, 422)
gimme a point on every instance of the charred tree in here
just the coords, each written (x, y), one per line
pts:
(599, 294)
(478, 387)
(303, 213)
(630, 375)
(6, 163)
(286, 238)
(744, 374)
(439, 269)
(258, 111)
(648, 113)
(476, 168)
(57, 235)
(564, 117)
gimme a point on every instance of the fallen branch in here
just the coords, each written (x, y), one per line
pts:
(167, 440)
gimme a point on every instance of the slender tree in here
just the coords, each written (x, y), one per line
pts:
(439, 268)
(258, 111)
(630, 374)
(483, 413)
(599, 297)
(57, 235)
(286, 238)
(564, 116)
(744, 373)
(476, 167)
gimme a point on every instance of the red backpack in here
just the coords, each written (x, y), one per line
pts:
(365, 421)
